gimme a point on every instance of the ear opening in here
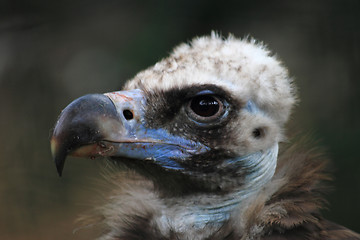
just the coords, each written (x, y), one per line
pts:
(259, 132)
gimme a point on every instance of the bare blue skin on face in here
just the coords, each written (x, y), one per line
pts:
(139, 142)
(123, 133)
(168, 151)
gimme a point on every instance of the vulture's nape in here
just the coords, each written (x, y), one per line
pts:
(198, 137)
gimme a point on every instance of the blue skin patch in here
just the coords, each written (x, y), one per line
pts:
(162, 148)
(252, 108)
(133, 140)
(262, 165)
(168, 150)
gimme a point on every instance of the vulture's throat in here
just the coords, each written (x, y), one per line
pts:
(210, 209)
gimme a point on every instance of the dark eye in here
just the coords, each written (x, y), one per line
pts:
(205, 108)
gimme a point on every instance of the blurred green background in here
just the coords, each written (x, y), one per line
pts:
(52, 52)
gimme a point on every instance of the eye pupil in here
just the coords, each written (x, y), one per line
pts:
(205, 106)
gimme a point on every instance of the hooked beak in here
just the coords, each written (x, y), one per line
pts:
(113, 125)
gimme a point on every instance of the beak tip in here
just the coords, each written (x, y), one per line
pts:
(60, 174)
(59, 166)
(59, 162)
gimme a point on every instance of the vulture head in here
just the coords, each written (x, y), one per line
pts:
(201, 128)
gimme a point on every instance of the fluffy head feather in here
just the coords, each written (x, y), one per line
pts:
(243, 67)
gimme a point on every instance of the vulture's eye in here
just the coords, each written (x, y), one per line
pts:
(205, 108)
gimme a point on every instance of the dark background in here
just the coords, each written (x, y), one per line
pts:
(52, 52)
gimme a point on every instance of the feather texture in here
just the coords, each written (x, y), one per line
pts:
(181, 174)
(288, 207)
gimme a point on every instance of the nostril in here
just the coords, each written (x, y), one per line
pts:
(128, 114)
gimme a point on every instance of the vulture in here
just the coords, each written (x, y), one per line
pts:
(200, 149)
